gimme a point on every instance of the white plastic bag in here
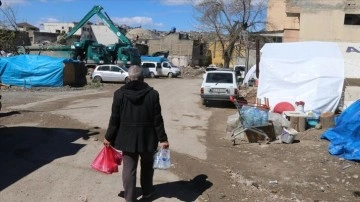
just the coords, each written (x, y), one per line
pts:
(162, 159)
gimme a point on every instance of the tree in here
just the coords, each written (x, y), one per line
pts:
(230, 21)
(8, 28)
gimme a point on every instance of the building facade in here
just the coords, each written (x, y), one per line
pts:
(183, 51)
(315, 20)
(60, 27)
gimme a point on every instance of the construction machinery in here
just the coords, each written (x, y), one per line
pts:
(89, 51)
(121, 52)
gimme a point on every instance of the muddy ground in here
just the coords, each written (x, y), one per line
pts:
(302, 171)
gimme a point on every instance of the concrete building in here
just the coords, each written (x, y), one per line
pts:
(25, 27)
(183, 51)
(315, 20)
(64, 27)
(100, 33)
(37, 38)
(60, 27)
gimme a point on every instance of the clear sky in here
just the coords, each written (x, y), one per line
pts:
(150, 14)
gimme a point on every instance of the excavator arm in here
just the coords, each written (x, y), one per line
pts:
(88, 16)
(96, 10)
(110, 24)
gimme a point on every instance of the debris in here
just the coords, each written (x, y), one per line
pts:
(273, 181)
(221, 196)
(192, 71)
(255, 185)
(347, 166)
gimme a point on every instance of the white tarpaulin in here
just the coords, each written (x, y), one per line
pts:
(312, 72)
(250, 74)
(351, 54)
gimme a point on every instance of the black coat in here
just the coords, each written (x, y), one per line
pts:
(136, 123)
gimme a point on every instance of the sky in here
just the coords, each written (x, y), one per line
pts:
(159, 15)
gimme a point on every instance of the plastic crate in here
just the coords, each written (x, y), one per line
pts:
(288, 135)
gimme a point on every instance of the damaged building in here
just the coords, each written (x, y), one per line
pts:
(309, 20)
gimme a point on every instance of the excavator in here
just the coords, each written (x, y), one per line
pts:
(89, 51)
(121, 52)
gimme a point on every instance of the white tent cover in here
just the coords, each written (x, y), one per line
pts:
(312, 72)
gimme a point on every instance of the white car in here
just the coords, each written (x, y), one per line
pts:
(110, 73)
(157, 69)
(219, 85)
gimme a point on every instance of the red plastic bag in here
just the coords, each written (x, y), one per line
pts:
(107, 160)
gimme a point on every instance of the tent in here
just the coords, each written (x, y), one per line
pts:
(312, 72)
(251, 74)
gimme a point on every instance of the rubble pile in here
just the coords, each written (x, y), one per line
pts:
(190, 71)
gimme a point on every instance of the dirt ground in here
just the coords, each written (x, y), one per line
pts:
(302, 171)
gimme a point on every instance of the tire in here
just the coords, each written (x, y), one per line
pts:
(127, 80)
(152, 75)
(170, 75)
(203, 102)
(97, 79)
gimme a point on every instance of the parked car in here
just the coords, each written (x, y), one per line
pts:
(210, 68)
(219, 85)
(110, 73)
(163, 68)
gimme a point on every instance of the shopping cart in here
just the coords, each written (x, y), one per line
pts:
(252, 117)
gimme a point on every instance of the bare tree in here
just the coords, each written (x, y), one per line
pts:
(8, 28)
(230, 21)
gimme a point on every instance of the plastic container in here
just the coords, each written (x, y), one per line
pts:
(253, 116)
(299, 106)
(311, 122)
(288, 135)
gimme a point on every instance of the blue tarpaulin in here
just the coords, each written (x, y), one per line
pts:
(345, 136)
(32, 71)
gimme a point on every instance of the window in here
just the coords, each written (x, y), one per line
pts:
(219, 78)
(149, 65)
(352, 19)
(104, 68)
(115, 69)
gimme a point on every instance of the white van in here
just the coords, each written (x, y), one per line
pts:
(157, 69)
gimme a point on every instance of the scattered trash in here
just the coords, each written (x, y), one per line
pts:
(347, 166)
(300, 106)
(273, 182)
(288, 135)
